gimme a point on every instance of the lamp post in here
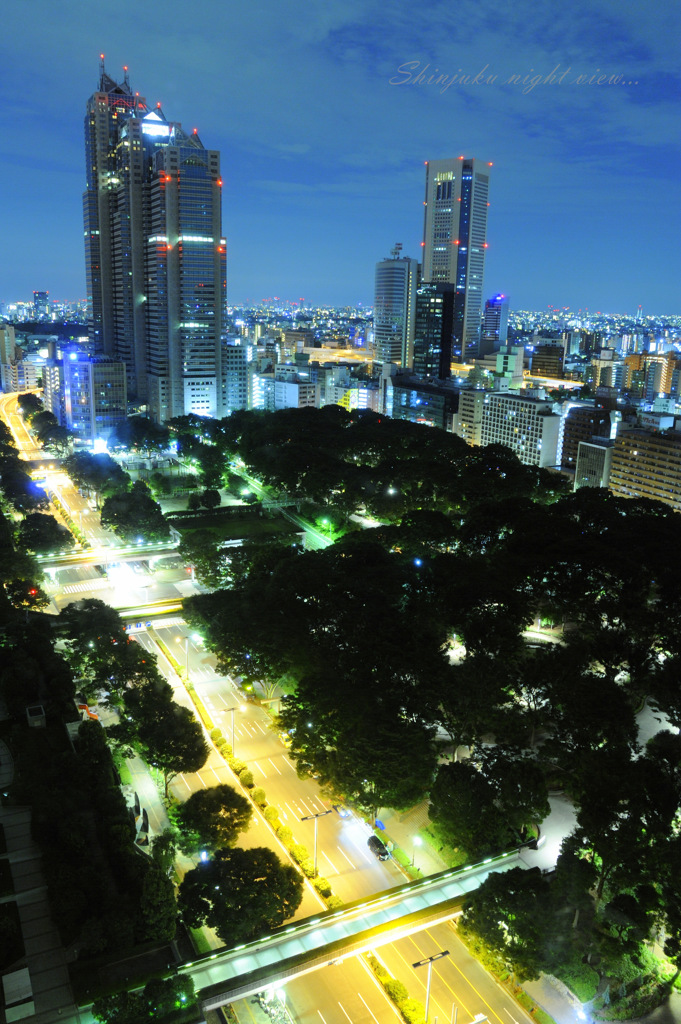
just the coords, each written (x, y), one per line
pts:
(309, 817)
(430, 961)
(178, 639)
(237, 707)
(417, 842)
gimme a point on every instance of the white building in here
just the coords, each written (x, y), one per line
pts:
(527, 425)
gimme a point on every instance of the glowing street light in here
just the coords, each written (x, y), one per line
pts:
(308, 817)
(430, 960)
(417, 842)
(237, 707)
(178, 640)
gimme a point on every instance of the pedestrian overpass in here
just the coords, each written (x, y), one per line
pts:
(231, 974)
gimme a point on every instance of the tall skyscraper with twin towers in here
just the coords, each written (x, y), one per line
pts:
(455, 242)
(154, 252)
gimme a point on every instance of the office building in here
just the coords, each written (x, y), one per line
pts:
(646, 464)
(155, 256)
(494, 325)
(430, 403)
(593, 462)
(528, 425)
(8, 347)
(455, 241)
(41, 305)
(95, 399)
(434, 330)
(584, 422)
(395, 308)
(468, 420)
(236, 371)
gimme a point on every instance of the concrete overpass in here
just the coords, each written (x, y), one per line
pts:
(325, 940)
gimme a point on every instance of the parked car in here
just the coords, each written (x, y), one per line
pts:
(378, 848)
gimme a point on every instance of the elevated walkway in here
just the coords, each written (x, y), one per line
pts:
(290, 952)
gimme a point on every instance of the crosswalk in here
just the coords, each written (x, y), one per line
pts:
(78, 588)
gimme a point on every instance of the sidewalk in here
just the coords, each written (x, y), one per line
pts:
(402, 827)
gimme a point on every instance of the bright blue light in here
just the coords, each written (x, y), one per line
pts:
(417, 561)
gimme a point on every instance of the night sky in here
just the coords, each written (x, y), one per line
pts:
(322, 157)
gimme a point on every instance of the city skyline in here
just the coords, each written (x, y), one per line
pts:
(325, 118)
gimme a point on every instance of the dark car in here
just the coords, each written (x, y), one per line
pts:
(378, 849)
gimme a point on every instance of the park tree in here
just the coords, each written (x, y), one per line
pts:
(462, 804)
(157, 905)
(171, 739)
(210, 498)
(134, 514)
(30, 405)
(511, 914)
(242, 894)
(141, 434)
(99, 474)
(163, 849)
(212, 818)
(42, 534)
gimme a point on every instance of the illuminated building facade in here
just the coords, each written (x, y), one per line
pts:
(455, 242)
(155, 255)
(434, 330)
(95, 399)
(394, 309)
(494, 324)
(647, 464)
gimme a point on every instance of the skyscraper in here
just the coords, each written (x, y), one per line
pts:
(433, 327)
(494, 325)
(394, 308)
(455, 241)
(154, 252)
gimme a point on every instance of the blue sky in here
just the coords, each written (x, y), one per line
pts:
(322, 155)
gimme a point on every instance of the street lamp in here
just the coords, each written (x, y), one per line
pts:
(430, 960)
(237, 707)
(309, 817)
(178, 640)
(417, 842)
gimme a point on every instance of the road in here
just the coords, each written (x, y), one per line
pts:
(342, 853)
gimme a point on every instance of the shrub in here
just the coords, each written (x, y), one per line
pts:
(224, 747)
(322, 886)
(307, 866)
(271, 814)
(396, 990)
(334, 902)
(413, 1011)
(300, 852)
(216, 735)
(236, 765)
(285, 834)
(246, 778)
(259, 796)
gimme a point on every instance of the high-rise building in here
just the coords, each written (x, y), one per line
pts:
(433, 330)
(94, 395)
(455, 241)
(154, 251)
(524, 423)
(394, 308)
(647, 464)
(494, 324)
(41, 304)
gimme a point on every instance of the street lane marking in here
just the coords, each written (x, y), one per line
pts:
(288, 764)
(320, 1014)
(335, 870)
(186, 783)
(346, 1013)
(368, 1008)
(274, 765)
(256, 765)
(346, 857)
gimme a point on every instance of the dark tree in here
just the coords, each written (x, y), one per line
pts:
(240, 893)
(212, 818)
(42, 534)
(510, 912)
(134, 514)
